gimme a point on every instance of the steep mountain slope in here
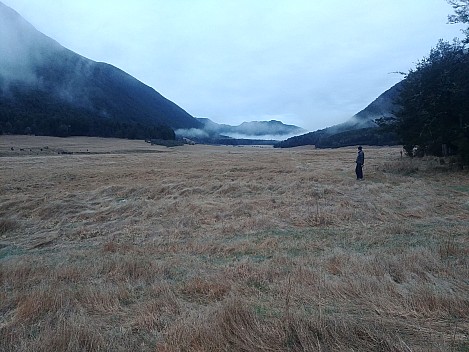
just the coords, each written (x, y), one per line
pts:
(359, 129)
(44, 85)
(384, 106)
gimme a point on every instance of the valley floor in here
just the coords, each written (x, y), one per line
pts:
(115, 245)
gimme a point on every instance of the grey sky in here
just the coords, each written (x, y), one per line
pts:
(312, 63)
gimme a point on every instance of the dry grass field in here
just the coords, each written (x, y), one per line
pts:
(112, 245)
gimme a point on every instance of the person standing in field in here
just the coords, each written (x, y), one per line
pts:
(360, 162)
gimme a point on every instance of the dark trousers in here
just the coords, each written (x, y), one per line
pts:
(359, 171)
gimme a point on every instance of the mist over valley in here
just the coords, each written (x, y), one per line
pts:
(46, 89)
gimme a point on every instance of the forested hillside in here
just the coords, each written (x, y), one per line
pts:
(434, 118)
(46, 89)
(359, 129)
(428, 112)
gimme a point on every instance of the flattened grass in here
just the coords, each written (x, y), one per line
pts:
(230, 249)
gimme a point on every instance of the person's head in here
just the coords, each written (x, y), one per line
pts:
(360, 147)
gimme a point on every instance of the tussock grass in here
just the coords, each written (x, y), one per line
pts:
(7, 226)
(229, 249)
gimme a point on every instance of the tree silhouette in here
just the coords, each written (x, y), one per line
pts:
(461, 9)
(434, 118)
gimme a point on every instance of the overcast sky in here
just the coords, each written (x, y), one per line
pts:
(312, 63)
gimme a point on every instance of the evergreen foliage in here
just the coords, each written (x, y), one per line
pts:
(461, 10)
(46, 89)
(34, 111)
(324, 139)
(434, 118)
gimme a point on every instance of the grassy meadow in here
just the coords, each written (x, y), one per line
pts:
(116, 245)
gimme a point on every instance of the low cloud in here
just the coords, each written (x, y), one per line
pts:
(266, 137)
(22, 48)
(192, 133)
(265, 130)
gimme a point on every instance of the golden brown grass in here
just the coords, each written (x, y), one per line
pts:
(123, 246)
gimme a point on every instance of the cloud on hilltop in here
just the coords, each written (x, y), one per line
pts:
(266, 130)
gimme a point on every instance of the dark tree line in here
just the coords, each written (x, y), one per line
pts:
(82, 126)
(35, 112)
(434, 114)
(324, 139)
(434, 100)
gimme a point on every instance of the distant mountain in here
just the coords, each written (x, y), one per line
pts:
(359, 129)
(257, 130)
(385, 106)
(50, 90)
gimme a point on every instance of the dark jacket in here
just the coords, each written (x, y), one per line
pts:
(360, 157)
